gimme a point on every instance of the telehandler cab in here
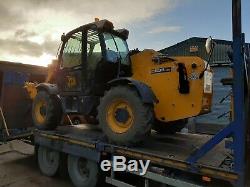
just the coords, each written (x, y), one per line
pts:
(129, 93)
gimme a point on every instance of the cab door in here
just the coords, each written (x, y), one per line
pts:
(70, 79)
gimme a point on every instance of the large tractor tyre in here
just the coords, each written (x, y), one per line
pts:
(48, 161)
(83, 172)
(123, 117)
(169, 127)
(46, 111)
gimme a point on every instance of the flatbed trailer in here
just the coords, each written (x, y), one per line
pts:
(177, 160)
(168, 156)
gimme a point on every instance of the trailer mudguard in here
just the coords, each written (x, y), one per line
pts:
(144, 90)
(52, 89)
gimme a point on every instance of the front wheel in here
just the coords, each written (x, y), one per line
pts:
(123, 117)
(46, 111)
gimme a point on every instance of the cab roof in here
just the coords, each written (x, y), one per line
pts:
(103, 26)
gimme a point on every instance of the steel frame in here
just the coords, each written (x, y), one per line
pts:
(237, 128)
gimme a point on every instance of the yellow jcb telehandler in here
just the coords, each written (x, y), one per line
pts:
(129, 93)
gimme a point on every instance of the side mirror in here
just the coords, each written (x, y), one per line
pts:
(209, 45)
(209, 48)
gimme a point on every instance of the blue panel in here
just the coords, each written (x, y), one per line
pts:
(15, 78)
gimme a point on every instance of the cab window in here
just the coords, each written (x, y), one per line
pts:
(112, 54)
(94, 51)
(116, 48)
(72, 53)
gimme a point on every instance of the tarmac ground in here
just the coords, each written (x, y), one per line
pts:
(18, 167)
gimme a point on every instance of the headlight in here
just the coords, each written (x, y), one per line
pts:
(208, 82)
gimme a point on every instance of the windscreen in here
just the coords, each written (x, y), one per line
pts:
(116, 48)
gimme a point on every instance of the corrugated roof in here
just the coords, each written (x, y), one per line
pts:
(198, 39)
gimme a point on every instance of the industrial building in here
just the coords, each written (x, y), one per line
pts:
(195, 46)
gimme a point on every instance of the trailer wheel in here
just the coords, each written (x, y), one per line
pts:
(46, 111)
(170, 127)
(48, 161)
(123, 117)
(83, 172)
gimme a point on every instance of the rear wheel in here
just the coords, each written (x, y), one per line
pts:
(169, 127)
(82, 172)
(123, 117)
(48, 161)
(46, 111)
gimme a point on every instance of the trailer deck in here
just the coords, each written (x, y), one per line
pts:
(168, 151)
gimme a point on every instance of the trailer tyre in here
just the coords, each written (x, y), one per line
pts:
(83, 172)
(48, 161)
(123, 117)
(46, 111)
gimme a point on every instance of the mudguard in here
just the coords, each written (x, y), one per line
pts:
(52, 89)
(144, 90)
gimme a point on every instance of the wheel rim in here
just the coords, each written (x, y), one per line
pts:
(83, 169)
(120, 116)
(40, 111)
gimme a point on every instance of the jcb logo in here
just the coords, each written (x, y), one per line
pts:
(71, 81)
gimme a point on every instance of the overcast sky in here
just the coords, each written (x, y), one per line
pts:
(31, 29)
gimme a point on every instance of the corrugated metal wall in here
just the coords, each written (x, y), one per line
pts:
(14, 99)
(220, 92)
